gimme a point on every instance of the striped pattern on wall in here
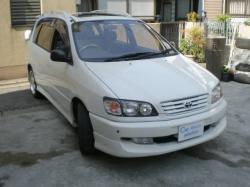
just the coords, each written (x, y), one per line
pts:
(24, 12)
(238, 8)
(213, 8)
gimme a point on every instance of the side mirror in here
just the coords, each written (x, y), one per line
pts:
(60, 55)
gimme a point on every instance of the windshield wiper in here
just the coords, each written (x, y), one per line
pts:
(137, 56)
(133, 56)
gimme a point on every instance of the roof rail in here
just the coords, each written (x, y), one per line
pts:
(57, 12)
(106, 11)
(101, 13)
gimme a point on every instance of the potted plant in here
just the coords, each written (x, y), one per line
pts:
(193, 17)
(193, 45)
(227, 74)
(224, 19)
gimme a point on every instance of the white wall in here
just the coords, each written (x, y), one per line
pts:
(142, 7)
(113, 5)
(137, 8)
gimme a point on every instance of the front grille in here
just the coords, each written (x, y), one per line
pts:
(185, 105)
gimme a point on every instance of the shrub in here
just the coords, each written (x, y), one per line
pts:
(194, 43)
(223, 18)
(185, 46)
(192, 16)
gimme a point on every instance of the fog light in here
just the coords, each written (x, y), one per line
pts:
(143, 140)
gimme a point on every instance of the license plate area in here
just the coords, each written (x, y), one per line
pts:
(190, 131)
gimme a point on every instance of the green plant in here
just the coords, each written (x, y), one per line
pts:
(192, 16)
(185, 46)
(223, 18)
(225, 69)
(247, 22)
(194, 43)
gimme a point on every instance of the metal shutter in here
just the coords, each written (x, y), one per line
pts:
(24, 12)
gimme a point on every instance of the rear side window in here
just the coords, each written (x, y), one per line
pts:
(36, 31)
(45, 35)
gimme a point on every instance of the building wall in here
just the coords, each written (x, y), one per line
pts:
(67, 5)
(213, 8)
(12, 44)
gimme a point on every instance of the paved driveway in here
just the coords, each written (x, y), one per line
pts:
(39, 148)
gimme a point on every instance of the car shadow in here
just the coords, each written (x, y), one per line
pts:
(17, 100)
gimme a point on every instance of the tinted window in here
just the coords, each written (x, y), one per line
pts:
(58, 42)
(38, 26)
(61, 39)
(36, 31)
(45, 36)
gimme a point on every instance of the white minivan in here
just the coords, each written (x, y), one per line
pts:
(128, 92)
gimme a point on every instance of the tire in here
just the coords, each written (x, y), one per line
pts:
(85, 131)
(33, 85)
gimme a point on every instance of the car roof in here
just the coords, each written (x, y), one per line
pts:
(87, 16)
(91, 18)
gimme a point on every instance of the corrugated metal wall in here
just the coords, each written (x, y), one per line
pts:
(213, 8)
(24, 12)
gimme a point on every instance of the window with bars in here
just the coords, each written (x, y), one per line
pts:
(238, 8)
(24, 12)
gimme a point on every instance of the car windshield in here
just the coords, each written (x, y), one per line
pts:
(117, 40)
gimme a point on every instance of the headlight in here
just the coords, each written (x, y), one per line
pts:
(128, 108)
(216, 94)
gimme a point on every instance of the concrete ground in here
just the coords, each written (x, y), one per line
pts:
(39, 148)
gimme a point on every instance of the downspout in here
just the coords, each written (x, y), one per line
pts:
(203, 5)
(127, 4)
(41, 3)
(223, 6)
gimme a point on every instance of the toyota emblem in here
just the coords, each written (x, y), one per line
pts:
(188, 105)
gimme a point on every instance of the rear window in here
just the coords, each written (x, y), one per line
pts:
(44, 38)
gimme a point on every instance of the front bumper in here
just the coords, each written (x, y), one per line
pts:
(108, 134)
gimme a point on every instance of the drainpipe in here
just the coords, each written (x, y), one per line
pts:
(127, 4)
(41, 4)
(224, 6)
(203, 5)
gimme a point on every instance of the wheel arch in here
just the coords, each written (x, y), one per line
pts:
(74, 102)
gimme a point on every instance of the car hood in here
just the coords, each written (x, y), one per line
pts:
(154, 80)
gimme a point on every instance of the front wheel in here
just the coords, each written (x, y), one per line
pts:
(33, 85)
(85, 131)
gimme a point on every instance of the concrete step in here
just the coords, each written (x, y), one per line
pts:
(14, 83)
